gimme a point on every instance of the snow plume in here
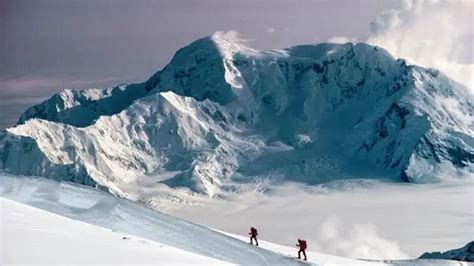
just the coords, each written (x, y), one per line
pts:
(360, 241)
(430, 33)
(341, 39)
(229, 42)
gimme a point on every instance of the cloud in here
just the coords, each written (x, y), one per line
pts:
(430, 33)
(270, 30)
(341, 39)
(358, 241)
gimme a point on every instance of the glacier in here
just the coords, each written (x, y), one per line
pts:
(222, 115)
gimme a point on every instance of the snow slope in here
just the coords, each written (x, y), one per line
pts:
(33, 236)
(314, 257)
(30, 235)
(222, 115)
(102, 209)
(324, 259)
(363, 219)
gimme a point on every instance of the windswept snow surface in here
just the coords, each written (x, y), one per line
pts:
(33, 236)
(30, 235)
(102, 209)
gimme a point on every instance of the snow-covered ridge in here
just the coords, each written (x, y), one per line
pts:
(465, 253)
(221, 114)
(82, 107)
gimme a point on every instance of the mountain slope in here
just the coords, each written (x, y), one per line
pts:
(33, 236)
(102, 209)
(221, 114)
(111, 230)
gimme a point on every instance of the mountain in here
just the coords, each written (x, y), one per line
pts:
(222, 115)
(465, 253)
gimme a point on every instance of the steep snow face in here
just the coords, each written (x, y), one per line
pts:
(221, 114)
(162, 139)
(22, 155)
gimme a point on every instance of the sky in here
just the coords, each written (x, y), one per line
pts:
(49, 45)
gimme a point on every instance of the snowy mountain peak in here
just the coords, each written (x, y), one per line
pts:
(221, 115)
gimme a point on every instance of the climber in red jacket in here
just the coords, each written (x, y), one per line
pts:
(253, 235)
(302, 245)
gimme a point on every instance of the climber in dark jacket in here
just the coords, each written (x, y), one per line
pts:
(302, 245)
(253, 235)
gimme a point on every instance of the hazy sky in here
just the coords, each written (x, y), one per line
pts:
(47, 45)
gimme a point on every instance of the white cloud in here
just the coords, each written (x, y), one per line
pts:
(430, 33)
(358, 241)
(341, 39)
(270, 30)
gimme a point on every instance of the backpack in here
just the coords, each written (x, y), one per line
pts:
(303, 244)
(253, 231)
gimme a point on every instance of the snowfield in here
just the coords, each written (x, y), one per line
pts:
(97, 222)
(32, 236)
(102, 209)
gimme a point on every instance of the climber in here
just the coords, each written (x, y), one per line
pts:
(302, 245)
(253, 235)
